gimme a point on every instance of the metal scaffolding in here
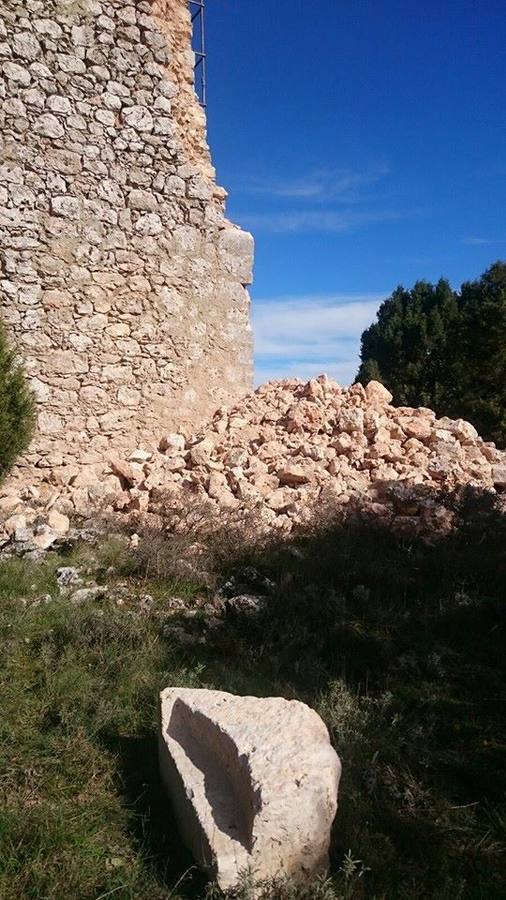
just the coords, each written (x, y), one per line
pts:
(197, 13)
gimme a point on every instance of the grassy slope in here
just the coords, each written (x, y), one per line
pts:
(400, 646)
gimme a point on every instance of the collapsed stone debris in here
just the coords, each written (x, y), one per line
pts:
(282, 454)
(253, 782)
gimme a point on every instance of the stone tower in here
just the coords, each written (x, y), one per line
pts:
(121, 280)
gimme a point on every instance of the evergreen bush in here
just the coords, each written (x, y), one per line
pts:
(433, 346)
(17, 413)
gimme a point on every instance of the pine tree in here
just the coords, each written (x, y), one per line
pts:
(17, 416)
(432, 346)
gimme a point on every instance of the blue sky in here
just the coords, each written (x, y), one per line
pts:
(364, 145)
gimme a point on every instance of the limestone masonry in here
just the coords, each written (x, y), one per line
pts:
(121, 280)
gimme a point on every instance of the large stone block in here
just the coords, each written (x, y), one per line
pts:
(253, 782)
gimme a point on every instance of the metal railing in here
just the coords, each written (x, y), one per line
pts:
(197, 12)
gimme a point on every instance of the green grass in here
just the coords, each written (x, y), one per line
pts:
(78, 695)
(399, 644)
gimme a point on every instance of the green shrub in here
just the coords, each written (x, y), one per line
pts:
(17, 416)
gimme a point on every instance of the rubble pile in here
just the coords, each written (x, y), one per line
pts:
(284, 453)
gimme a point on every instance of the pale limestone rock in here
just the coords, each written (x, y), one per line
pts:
(200, 453)
(343, 443)
(14, 107)
(48, 125)
(17, 73)
(66, 206)
(138, 117)
(149, 224)
(277, 455)
(293, 475)
(44, 539)
(175, 464)
(217, 484)
(9, 503)
(59, 105)
(378, 393)
(417, 428)
(47, 27)
(172, 443)
(124, 471)
(253, 782)
(461, 430)
(85, 594)
(58, 522)
(142, 200)
(26, 45)
(82, 35)
(351, 419)
(13, 523)
(499, 476)
(218, 489)
(253, 457)
(280, 499)
(491, 452)
(140, 456)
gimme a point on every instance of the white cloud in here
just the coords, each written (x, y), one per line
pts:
(305, 336)
(323, 183)
(479, 241)
(303, 221)
(330, 200)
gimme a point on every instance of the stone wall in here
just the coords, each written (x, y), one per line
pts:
(121, 280)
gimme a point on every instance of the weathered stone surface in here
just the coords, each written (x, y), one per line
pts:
(172, 443)
(499, 475)
(26, 45)
(138, 117)
(48, 125)
(122, 283)
(294, 474)
(16, 73)
(253, 782)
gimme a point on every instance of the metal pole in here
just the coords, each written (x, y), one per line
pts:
(204, 65)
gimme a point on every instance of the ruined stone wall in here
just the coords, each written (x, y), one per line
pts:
(121, 280)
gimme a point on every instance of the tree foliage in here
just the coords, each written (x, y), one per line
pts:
(17, 417)
(433, 346)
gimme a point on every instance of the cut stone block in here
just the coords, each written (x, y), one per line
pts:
(253, 783)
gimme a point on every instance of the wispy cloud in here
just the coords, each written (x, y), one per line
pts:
(329, 200)
(318, 184)
(480, 241)
(305, 336)
(328, 221)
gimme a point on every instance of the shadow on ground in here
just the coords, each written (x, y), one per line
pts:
(152, 824)
(400, 642)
